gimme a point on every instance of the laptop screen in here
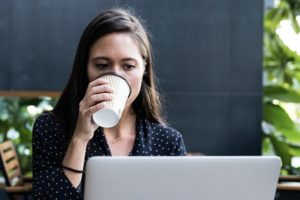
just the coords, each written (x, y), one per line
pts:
(177, 178)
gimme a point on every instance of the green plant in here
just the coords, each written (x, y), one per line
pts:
(17, 116)
(281, 132)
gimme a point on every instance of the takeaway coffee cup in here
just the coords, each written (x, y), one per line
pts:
(110, 115)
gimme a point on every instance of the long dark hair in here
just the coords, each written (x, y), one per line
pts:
(146, 105)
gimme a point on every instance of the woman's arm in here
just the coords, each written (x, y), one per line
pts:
(97, 92)
(49, 145)
(179, 148)
(74, 159)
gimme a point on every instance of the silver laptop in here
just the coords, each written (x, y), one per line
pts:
(178, 178)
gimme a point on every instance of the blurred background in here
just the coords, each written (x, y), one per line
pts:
(229, 70)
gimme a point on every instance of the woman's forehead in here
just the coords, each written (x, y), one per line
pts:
(116, 45)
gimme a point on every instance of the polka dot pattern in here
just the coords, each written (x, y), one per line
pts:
(49, 143)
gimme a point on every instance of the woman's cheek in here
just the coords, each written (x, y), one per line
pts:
(135, 89)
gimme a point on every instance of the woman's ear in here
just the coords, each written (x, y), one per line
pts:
(145, 67)
(144, 64)
(145, 72)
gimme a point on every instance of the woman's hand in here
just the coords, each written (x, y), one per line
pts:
(97, 92)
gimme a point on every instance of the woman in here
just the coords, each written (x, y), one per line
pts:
(114, 42)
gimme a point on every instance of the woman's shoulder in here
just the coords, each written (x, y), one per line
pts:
(161, 130)
(48, 126)
(48, 118)
(165, 139)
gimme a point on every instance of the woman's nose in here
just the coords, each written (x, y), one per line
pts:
(117, 70)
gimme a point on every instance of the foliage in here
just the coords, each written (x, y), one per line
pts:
(281, 132)
(17, 116)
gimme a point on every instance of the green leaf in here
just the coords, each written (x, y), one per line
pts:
(294, 151)
(275, 115)
(294, 22)
(282, 150)
(281, 93)
(267, 146)
(291, 136)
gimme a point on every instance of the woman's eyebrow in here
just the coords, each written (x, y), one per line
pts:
(101, 58)
(129, 59)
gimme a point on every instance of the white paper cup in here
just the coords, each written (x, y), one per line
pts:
(110, 115)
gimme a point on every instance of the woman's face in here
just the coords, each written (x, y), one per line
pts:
(117, 53)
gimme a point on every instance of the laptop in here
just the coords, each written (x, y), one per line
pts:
(178, 178)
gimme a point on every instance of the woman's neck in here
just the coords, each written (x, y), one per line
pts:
(125, 127)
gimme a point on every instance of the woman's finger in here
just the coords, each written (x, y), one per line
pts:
(96, 82)
(99, 89)
(91, 110)
(98, 98)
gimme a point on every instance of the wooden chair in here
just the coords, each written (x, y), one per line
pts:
(289, 183)
(288, 188)
(16, 186)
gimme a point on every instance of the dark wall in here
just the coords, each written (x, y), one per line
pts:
(208, 57)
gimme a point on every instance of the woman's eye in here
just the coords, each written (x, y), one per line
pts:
(129, 67)
(102, 66)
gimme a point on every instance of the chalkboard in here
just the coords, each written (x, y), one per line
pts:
(208, 58)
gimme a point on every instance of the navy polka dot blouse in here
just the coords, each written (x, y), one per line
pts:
(49, 143)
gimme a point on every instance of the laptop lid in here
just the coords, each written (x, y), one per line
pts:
(177, 178)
